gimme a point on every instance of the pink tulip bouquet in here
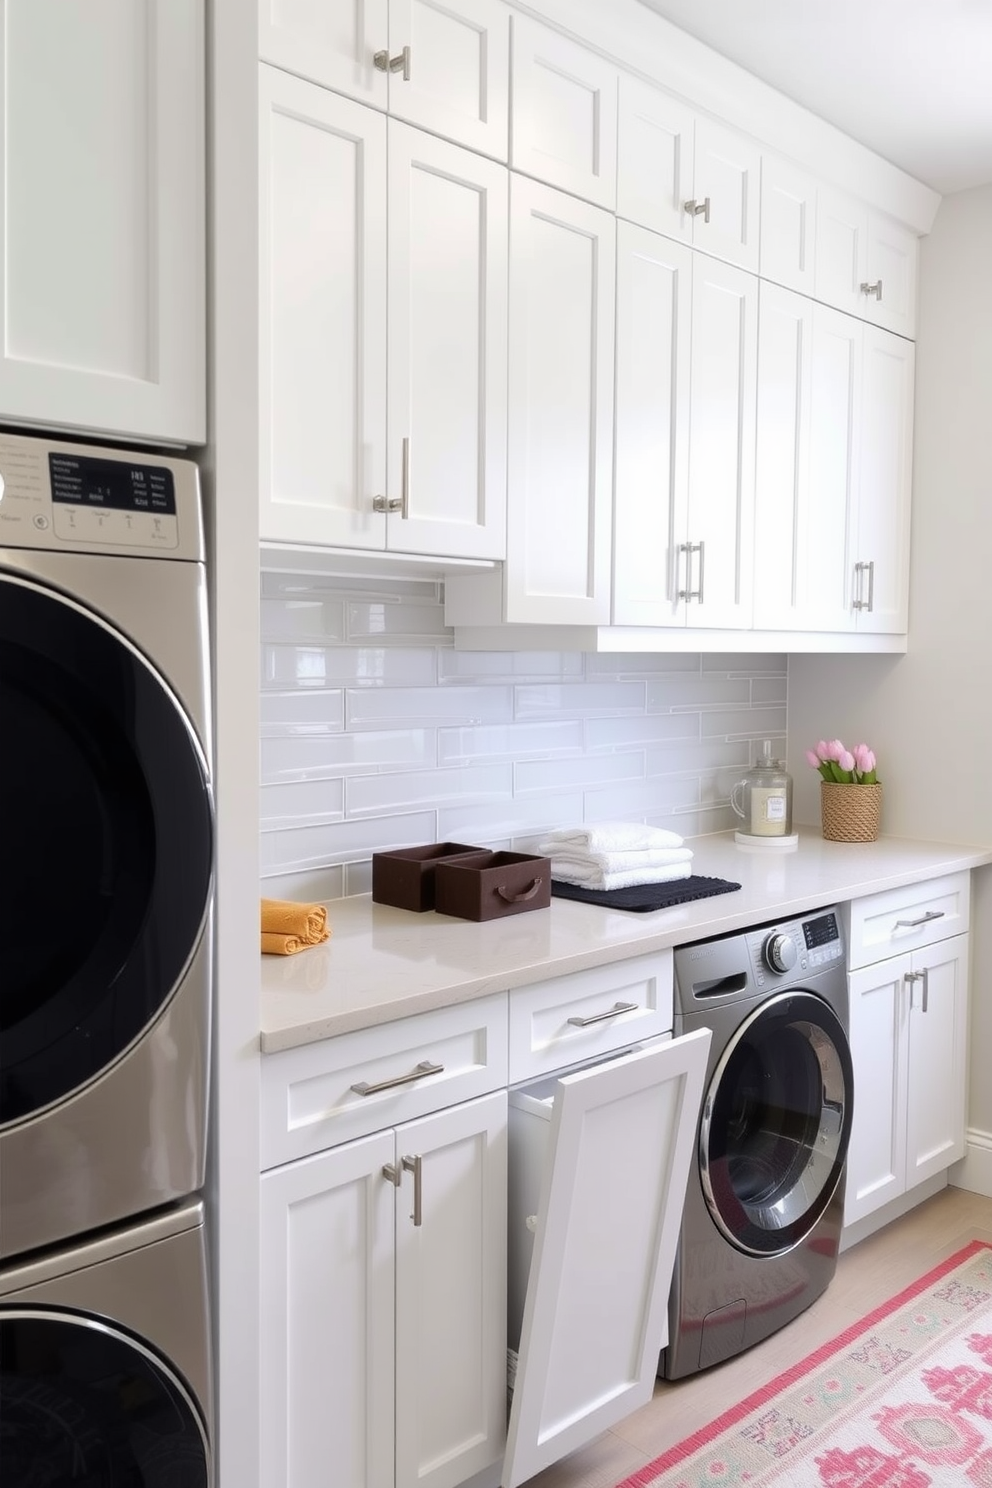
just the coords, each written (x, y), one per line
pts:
(844, 766)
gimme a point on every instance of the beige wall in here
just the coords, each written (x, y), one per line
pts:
(928, 714)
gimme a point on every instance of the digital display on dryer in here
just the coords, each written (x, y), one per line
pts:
(821, 931)
(114, 485)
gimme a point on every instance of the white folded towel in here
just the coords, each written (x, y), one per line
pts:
(614, 837)
(595, 878)
(615, 862)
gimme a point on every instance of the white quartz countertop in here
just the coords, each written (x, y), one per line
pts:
(383, 963)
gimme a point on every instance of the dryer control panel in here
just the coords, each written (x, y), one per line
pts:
(74, 497)
(766, 958)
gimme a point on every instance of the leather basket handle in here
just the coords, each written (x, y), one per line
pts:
(522, 896)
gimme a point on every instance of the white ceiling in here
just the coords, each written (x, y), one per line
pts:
(912, 79)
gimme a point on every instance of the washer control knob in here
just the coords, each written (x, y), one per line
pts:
(780, 952)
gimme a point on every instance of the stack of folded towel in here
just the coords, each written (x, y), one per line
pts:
(616, 855)
(288, 927)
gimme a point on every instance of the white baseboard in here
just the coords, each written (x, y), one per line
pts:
(974, 1171)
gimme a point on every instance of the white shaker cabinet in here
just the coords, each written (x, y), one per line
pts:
(908, 1026)
(716, 571)
(439, 64)
(102, 324)
(563, 127)
(383, 1306)
(686, 176)
(599, 1160)
(866, 264)
(560, 461)
(651, 484)
(684, 494)
(376, 435)
(860, 464)
(788, 224)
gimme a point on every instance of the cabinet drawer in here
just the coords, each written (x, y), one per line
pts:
(901, 919)
(572, 1018)
(309, 1099)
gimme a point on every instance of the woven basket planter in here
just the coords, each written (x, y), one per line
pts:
(850, 813)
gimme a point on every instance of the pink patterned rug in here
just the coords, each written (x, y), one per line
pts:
(903, 1399)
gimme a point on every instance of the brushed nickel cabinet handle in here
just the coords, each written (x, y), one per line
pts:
(924, 977)
(924, 919)
(381, 504)
(689, 593)
(872, 289)
(415, 1165)
(618, 1007)
(401, 62)
(404, 504)
(425, 1067)
(699, 208)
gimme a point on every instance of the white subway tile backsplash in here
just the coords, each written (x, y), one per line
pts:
(325, 666)
(578, 700)
(509, 741)
(427, 705)
(503, 666)
(396, 622)
(553, 776)
(377, 795)
(313, 711)
(684, 693)
(314, 755)
(301, 801)
(376, 733)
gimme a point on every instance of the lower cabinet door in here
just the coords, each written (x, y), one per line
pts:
(327, 1342)
(599, 1161)
(451, 1293)
(935, 1120)
(879, 1031)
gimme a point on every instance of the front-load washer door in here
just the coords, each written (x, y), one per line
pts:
(106, 846)
(776, 1123)
(82, 1401)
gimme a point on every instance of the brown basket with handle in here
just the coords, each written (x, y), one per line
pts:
(850, 813)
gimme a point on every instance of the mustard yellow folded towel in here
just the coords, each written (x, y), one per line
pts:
(288, 927)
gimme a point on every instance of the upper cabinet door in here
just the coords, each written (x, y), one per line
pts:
(654, 159)
(331, 44)
(725, 194)
(885, 485)
(446, 414)
(322, 321)
(442, 64)
(564, 118)
(604, 1153)
(782, 556)
(890, 295)
(453, 72)
(717, 575)
(841, 251)
(788, 224)
(102, 314)
(834, 467)
(450, 1294)
(560, 461)
(651, 486)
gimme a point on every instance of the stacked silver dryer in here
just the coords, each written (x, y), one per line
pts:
(106, 884)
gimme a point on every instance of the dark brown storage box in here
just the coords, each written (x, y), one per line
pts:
(489, 885)
(405, 876)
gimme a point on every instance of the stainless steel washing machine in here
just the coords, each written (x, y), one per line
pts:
(106, 837)
(764, 1205)
(105, 1360)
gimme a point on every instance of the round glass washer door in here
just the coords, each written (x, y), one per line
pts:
(82, 1401)
(106, 851)
(776, 1124)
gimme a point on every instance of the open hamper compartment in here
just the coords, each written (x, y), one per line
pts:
(405, 876)
(488, 885)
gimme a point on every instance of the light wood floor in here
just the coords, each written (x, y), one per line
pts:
(867, 1275)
